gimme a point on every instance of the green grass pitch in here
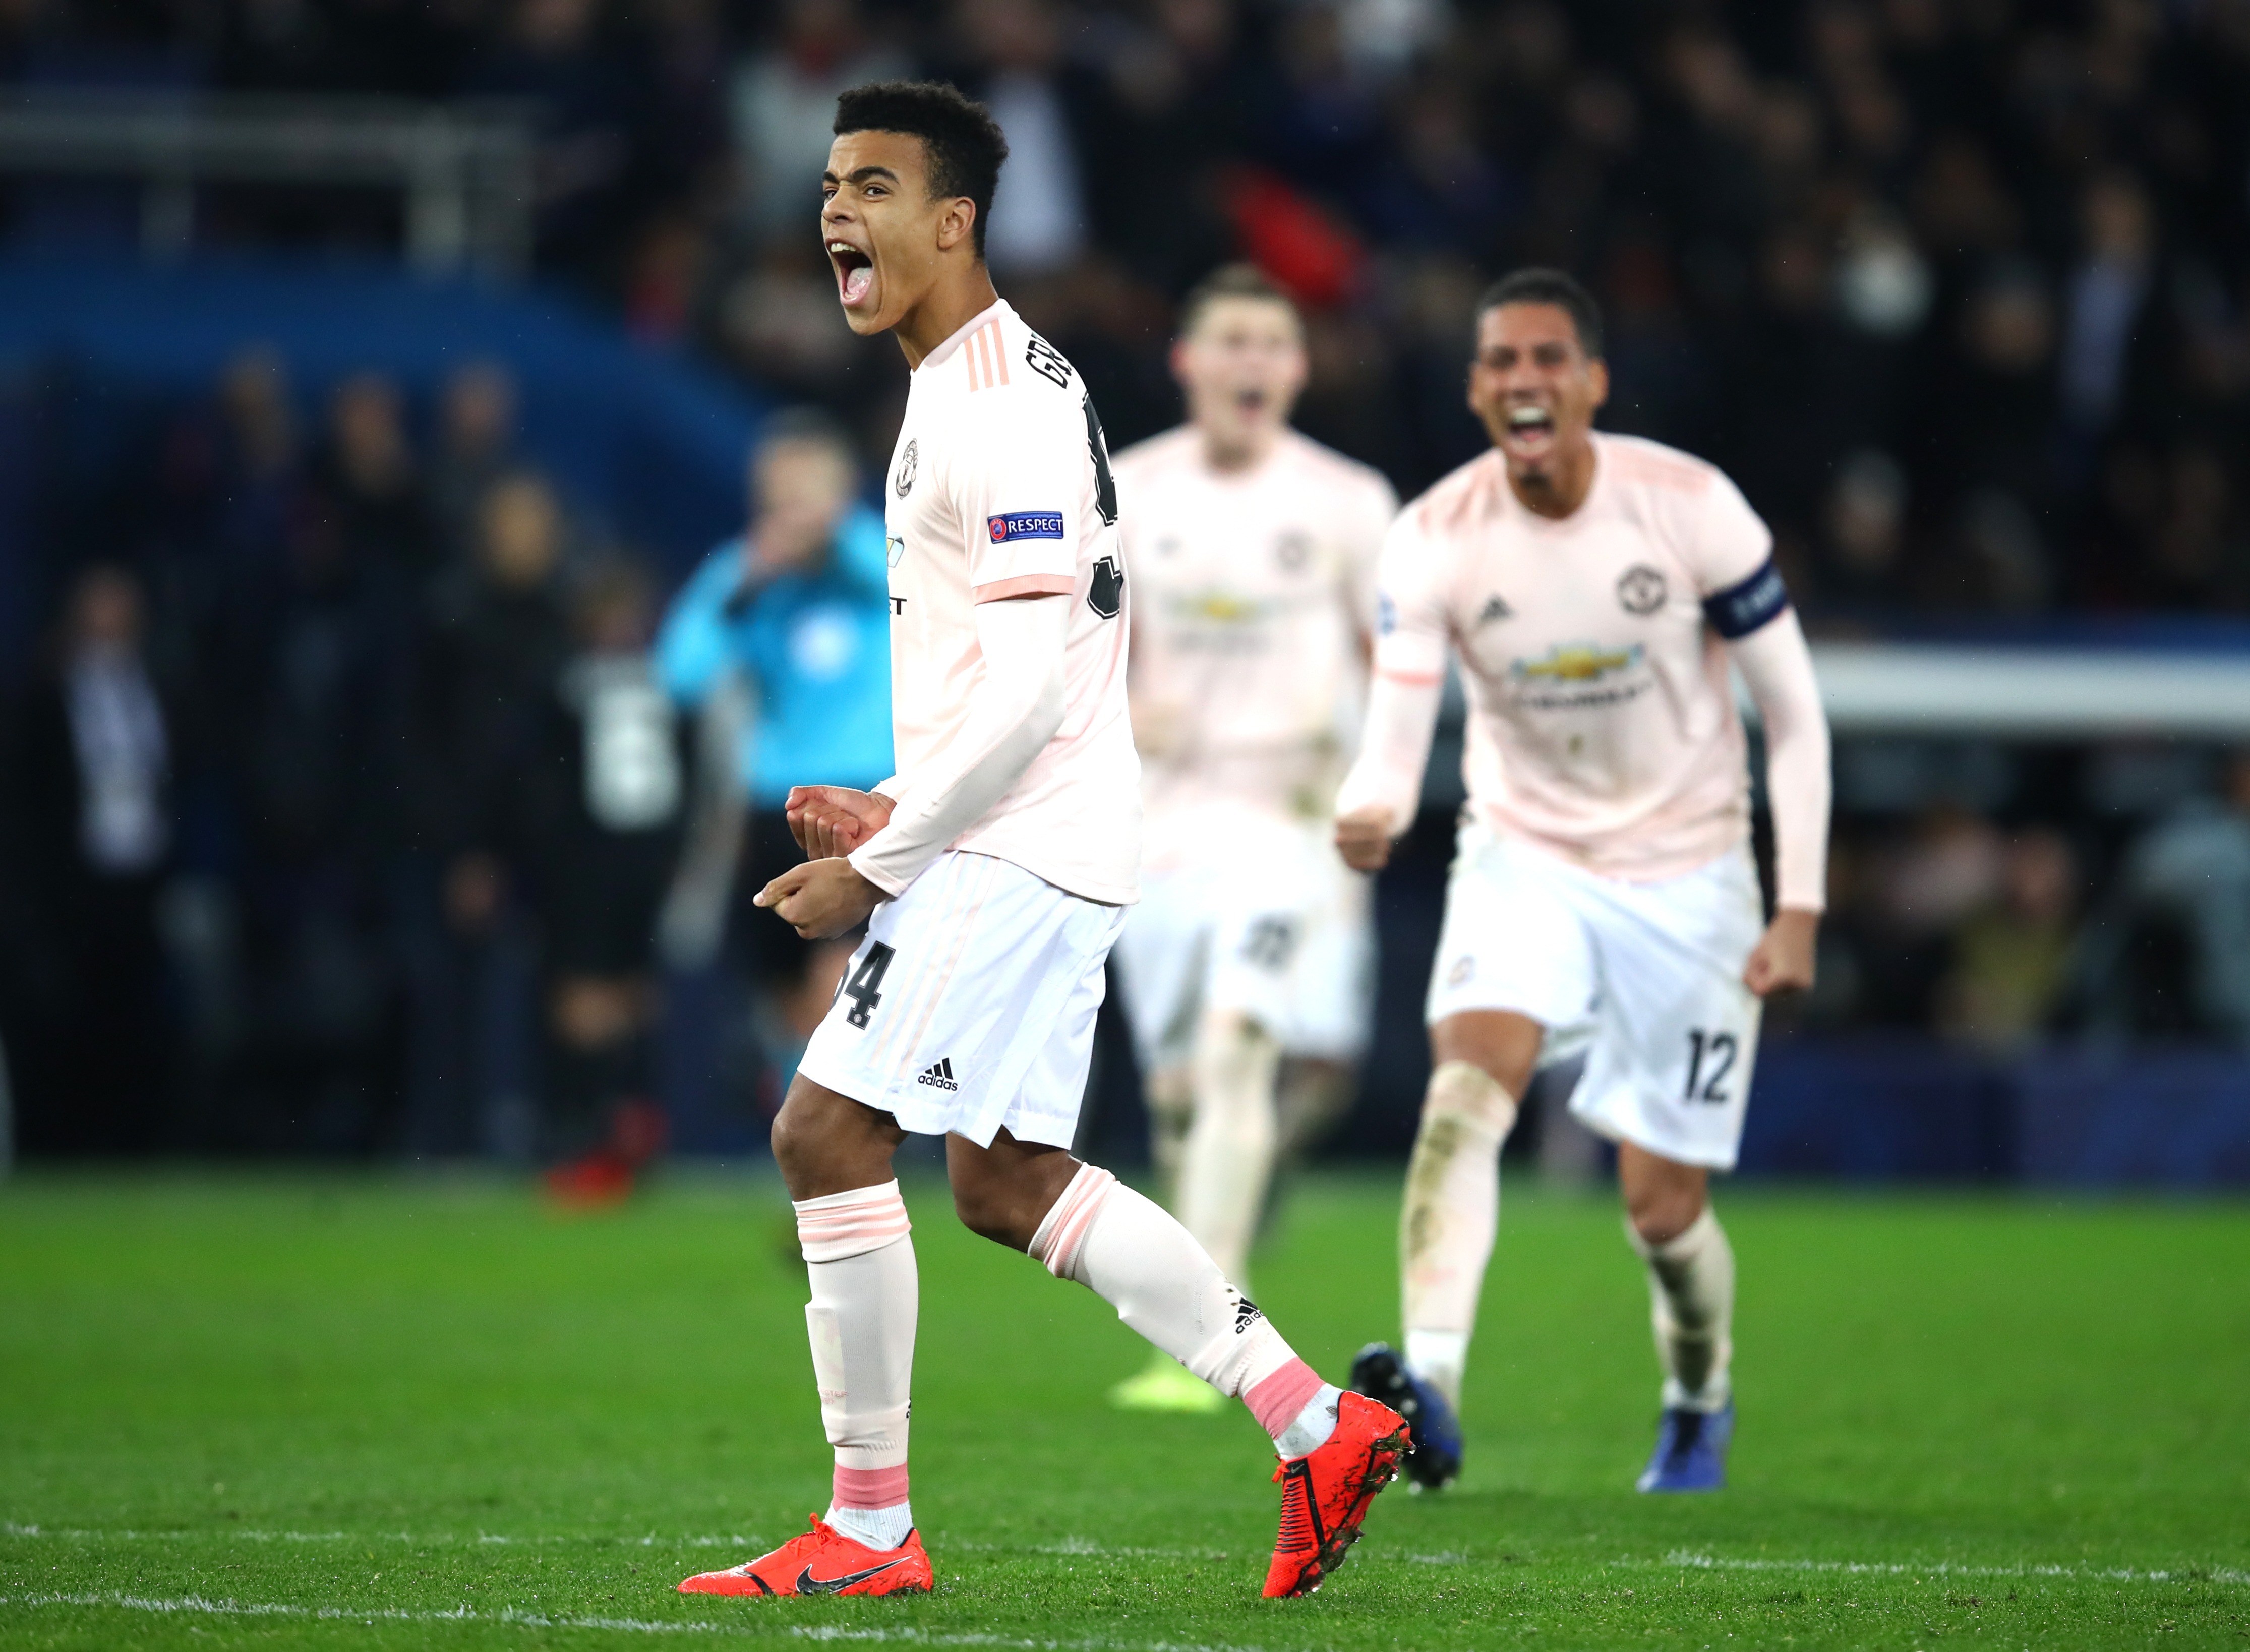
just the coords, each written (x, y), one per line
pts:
(374, 1413)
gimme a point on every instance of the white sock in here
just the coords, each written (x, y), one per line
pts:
(1449, 1217)
(1310, 1428)
(877, 1528)
(865, 1298)
(1439, 1356)
(1133, 1254)
(1229, 1154)
(1691, 1290)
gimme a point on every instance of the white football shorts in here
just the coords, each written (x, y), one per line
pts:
(1646, 979)
(969, 1007)
(1275, 928)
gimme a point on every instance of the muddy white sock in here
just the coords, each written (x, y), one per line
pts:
(1691, 1289)
(1449, 1217)
(1229, 1154)
(865, 1299)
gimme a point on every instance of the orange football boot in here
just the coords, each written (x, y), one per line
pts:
(1324, 1495)
(823, 1561)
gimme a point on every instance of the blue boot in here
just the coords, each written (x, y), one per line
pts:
(1691, 1451)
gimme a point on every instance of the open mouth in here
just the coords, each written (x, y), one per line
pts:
(855, 272)
(1250, 401)
(1531, 425)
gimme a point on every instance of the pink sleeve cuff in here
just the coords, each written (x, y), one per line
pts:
(1024, 585)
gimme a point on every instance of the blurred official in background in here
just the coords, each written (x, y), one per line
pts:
(781, 643)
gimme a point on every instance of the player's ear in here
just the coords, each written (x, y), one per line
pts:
(1179, 362)
(1598, 371)
(955, 222)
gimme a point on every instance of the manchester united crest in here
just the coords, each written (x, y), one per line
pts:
(902, 484)
(1641, 589)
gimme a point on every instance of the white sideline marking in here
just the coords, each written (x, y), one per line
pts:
(1691, 1559)
(200, 1605)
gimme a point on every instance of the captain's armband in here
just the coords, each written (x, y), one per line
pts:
(1748, 605)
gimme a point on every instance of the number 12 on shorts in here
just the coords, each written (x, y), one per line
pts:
(1710, 1058)
(862, 984)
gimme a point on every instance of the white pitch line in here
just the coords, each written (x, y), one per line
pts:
(199, 1605)
(1690, 1560)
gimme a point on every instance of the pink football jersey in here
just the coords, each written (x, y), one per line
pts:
(1602, 725)
(1000, 487)
(1253, 593)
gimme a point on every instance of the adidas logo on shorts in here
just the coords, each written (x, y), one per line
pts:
(939, 1075)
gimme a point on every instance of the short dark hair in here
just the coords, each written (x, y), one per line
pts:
(1232, 280)
(1538, 286)
(963, 143)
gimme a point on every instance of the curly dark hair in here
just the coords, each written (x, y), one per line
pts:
(964, 144)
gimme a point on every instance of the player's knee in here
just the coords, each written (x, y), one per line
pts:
(1660, 1213)
(795, 1146)
(1464, 1091)
(992, 1210)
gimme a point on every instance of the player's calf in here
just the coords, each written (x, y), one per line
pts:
(1450, 1216)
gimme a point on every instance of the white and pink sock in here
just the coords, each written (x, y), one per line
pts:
(865, 1298)
(1136, 1257)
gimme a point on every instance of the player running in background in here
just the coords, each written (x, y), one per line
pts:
(1245, 966)
(1595, 588)
(992, 874)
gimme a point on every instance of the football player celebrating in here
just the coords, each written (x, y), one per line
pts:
(1246, 964)
(1595, 589)
(992, 874)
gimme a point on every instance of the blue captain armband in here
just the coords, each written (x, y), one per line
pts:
(1748, 605)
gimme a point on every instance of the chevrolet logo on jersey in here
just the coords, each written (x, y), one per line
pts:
(1222, 607)
(1577, 662)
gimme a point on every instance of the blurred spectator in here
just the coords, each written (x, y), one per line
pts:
(495, 644)
(2173, 954)
(476, 444)
(88, 783)
(315, 657)
(1038, 213)
(369, 470)
(797, 608)
(2010, 957)
(598, 815)
(1864, 544)
(2108, 290)
(784, 105)
(589, 105)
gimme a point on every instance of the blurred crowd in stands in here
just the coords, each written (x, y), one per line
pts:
(1959, 289)
(359, 795)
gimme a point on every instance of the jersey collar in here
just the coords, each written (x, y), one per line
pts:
(943, 353)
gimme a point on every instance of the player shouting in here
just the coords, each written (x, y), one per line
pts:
(1252, 550)
(992, 873)
(1595, 588)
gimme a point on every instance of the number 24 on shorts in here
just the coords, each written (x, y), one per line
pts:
(1710, 1058)
(863, 985)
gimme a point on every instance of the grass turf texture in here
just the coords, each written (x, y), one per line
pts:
(227, 1406)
